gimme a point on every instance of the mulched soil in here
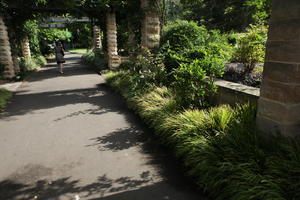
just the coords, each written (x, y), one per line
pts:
(236, 72)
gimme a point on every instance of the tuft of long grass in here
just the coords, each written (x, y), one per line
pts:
(5, 95)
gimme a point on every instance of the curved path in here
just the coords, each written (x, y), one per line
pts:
(70, 137)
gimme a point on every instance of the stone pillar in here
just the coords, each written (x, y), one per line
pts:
(150, 24)
(112, 45)
(25, 47)
(5, 52)
(279, 103)
(97, 39)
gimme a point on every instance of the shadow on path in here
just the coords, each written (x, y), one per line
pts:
(102, 99)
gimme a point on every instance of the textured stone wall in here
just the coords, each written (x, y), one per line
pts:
(112, 45)
(279, 103)
(26, 48)
(5, 52)
(97, 39)
(234, 93)
(151, 24)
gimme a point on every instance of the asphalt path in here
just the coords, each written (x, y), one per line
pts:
(70, 137)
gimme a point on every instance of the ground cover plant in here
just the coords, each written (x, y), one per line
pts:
(5, 95)
(32, 64)
(29, 65)
(218, 146)
(78, 51)
(95, 61)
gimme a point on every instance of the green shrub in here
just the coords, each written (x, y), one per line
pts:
(32, 64)
(55, 34)
(127, 65)
(28, 64)
(150, 68)
(184, 42)
(5, 95)
(31, 29)
(183, 35)
(95, 61)
(250, 48)
(191, 85)
(40, 60)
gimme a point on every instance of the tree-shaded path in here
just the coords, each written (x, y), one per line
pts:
(70, 135)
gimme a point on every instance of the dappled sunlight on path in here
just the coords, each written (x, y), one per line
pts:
(70, 137)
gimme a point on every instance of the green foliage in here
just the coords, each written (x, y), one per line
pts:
(31, 29)
(54, 34)
(126, 65)
(28, 64)
(250, 46)
(150, 68)
(95, 61)
(193, 56)
(5, 95)
(183, 42)
(183, 35)
(40, 60)
(32, 64)
(192, 86)
(227, 15)
(81, 34)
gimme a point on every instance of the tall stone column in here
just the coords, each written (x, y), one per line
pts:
(279, 103)
(97, 39)
(112, 45)
(25, 47)
(150, 24)
(5, 52)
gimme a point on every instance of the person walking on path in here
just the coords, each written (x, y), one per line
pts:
(59, 55)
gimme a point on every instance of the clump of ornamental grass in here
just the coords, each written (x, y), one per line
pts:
(5, 95)
(154, 107)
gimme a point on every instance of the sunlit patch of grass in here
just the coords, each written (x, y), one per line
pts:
(78, 51)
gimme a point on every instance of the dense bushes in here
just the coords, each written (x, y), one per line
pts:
(4, 97)
(95, 61)
(183, 34)
(250, 47)
(31, 29)
(192, 87)
(81, 34)
(32, 64)
(219, 146)
(183, 42)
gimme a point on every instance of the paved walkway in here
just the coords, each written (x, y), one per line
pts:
(69, 137)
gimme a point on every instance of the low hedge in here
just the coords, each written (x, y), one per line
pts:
(95, 61)
(219, 147)
(5, 95)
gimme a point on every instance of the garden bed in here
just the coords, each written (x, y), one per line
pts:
(219, 147)
(235, 72)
